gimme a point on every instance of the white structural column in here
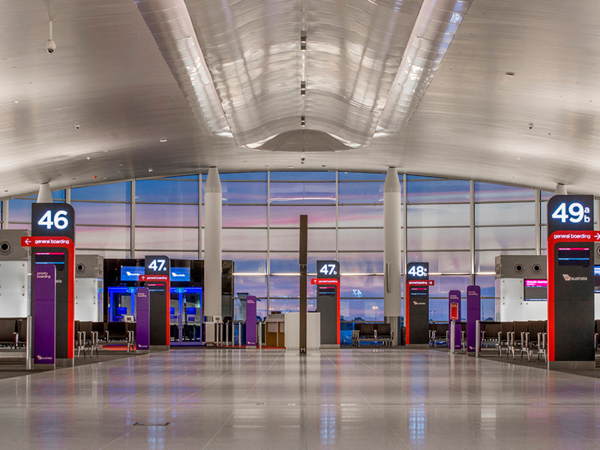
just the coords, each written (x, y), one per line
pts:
(392, 245)
(45, 194)
(213, 210)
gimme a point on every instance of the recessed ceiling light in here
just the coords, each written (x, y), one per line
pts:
(150, 170)
(163, 140)
(16, 101)
(290, 167)
(88, 158)
(510, 74)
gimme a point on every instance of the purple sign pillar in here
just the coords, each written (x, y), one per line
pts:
(44, 316)
(473, 315)
(251, 321)
(142, 315)
(454, 314)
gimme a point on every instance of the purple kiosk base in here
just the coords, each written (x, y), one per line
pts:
(44, 317)
(142, 301)
(251, 321)
(473, 315)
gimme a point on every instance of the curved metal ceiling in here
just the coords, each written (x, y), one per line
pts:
(516, 99)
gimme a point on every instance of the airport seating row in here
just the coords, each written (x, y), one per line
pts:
(373, 332)
(88, 335)
(523, 337)
(13, 332)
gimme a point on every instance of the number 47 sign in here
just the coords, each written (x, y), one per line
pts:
(570, 212)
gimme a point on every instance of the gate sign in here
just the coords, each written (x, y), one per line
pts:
(417, 303)
(570, 212)
(157, 265)
(53, 219)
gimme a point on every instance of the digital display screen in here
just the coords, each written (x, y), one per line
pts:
(573, 256)
(536, 290)
(325, 289)
(597, 279)
(418, 291)
(131, 273)
(121, 310)
(55, 258)
(190, 311)
(180, 274)
(172, 310)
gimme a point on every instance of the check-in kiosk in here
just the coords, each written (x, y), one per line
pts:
(521, 288)
(122, 278)
(89, 288)
(14, 267)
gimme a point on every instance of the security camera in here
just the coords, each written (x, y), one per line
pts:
(50, 46)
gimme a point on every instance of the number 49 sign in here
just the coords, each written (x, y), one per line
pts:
(570, 212)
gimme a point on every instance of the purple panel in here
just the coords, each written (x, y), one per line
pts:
(44, 314)
(473, 315)
(454, 298)
(251, 321)
(142, 304)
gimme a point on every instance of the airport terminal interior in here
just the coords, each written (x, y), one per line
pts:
(299, 224)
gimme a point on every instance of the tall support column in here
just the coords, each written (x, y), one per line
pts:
(392, 249)
(213, 207)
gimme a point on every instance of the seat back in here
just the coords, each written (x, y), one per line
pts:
(520, 327)
(100, 327)
(8, 328)
(367, 329)
(491, 329)
(86, 327)
(441, 329)
(505, 328)
(22, 329)
(117, 330)
(383, 329)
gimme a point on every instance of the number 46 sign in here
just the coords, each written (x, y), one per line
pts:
(570, 212)
(53, 219)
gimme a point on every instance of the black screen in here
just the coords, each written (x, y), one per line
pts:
(573, 256)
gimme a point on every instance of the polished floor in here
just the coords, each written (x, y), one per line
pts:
(352, 399)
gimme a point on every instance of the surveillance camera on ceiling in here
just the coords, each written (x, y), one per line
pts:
(51, 46)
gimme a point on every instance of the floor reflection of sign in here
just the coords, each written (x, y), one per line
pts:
(357, 293)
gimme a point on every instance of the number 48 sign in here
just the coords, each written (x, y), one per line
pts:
(570, 212)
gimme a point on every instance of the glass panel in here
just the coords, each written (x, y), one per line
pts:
(285, 263)
(166, 215)
(115, 254)
(354, 176)
(244, 192)
(360, 215)
(288, 216)
(546, 195)
(163, 191)
(361, 262)
(544, 233)
(101, 213)
(185, 177)
(284, 305)
(247, 262)
(318, 240)
(102, 237)
(114, 192)
(167, 238)
(420, 177)
(505, 214)
(438, 239)
(438, 215)
(443, 262)
(488, 309)
(505, 237)
(302, 176)
(444, 284)
(438, 191)
(244, 239)
(361, 310)
(543, 213)
(487, 192)
(244, 216)
(188, 255)
(361, 286)
(487, 283)
(244, 176)
(365, 239)
(19, 210)
(303, 193)
(284, 286)
(366, 192)
(485, 261)
(254, 285)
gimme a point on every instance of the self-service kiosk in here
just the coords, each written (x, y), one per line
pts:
(89, 288)
(14, 267)
(521, 288)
